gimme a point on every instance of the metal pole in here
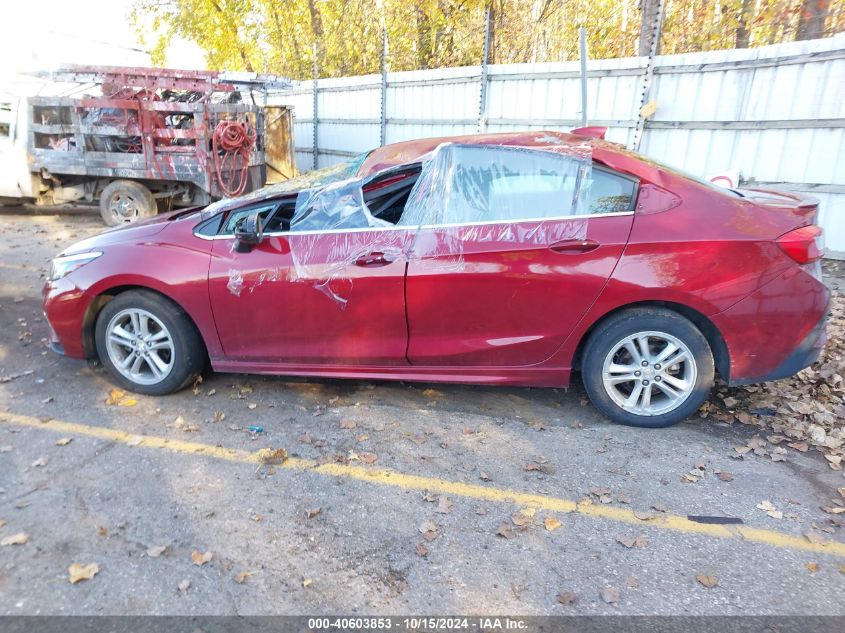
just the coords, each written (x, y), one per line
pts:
(582, 35)
(649, 75)
(383, 122)
(314, 90)
(485, 53)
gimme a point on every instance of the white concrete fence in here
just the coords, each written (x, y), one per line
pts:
(776, 114)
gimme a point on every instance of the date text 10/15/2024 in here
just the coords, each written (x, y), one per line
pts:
(418, 623)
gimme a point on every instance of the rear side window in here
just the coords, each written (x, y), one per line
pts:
(609, 192)
(468, 184)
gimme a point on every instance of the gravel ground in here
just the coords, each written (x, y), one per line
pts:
(185, 527)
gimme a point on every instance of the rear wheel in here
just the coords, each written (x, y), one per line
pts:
(125, 201)
(647, 367)
(148, 344)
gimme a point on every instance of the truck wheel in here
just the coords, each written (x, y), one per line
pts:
(124, 201)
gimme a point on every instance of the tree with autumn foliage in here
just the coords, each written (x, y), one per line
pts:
(281, 36)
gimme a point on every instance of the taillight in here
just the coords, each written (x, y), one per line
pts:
(804, 245)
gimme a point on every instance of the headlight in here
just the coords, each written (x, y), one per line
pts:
(66, 264)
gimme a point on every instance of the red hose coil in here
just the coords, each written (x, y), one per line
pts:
(232, 146)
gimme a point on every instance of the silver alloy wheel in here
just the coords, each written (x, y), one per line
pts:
(140, 346)
(649, 373)
(124, 207)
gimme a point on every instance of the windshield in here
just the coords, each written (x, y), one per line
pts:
(308, 180)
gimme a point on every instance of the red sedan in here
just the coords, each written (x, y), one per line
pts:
(511, 259)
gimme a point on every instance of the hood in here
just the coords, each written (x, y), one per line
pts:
(130, 232)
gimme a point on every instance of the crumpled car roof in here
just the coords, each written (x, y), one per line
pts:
(409, 151)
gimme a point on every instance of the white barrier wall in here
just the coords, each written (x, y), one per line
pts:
(775, 113)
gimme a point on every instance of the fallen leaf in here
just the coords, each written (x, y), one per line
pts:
(814, 537)
(707, 581)
(609, 594)
(429, 530)
(155, 552)
(272, 456)
(644, 516)
(40, 462)
(64, 441)
(658, 507)
(348, 424)
(307, 582)
(201, 559)
(2, 522)
(119, 398)
(725, 476)
(421, 550)
(444, 505)
(135, 440)
(523, 517)
(812, 567)
(252, 406)
(368, 458)
(551, 523)
(431, 393)
(766, 506)
(241, 577)
(567, 598)
(312, 512)
(505, 531)
(15, 539)
(77, 572)
(184, 585)
(638, 541)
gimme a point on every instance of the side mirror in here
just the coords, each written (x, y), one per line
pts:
(249, 232)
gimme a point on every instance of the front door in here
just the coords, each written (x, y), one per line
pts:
(323, 297)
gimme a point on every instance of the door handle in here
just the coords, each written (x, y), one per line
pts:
(372, 260)
(571, 247)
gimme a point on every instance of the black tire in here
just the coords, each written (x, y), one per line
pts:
(126, 201)
(609, 334)
(188, 350)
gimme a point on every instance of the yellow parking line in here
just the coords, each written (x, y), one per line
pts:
(396, 479)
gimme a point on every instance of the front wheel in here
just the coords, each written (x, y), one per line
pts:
(148, 344)
(647, 367)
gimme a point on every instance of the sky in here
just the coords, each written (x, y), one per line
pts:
(51, 33)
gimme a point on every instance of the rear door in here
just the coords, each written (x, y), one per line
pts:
(513, 246)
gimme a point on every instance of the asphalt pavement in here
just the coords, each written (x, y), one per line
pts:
(393, 498)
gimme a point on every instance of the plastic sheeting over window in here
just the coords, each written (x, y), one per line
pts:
(465, 195)
(464, 184)
(335, 207)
